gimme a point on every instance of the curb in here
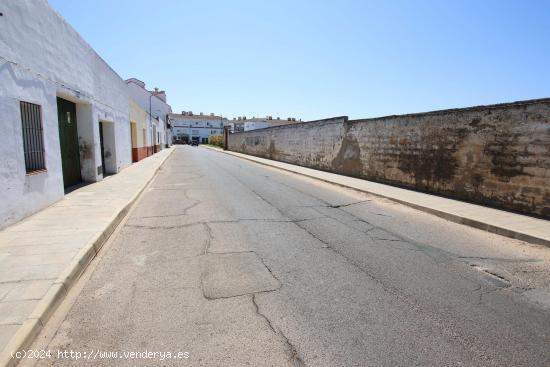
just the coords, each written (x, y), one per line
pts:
(506, 232)
(32, 326)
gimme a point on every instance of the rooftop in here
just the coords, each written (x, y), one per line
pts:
(201, 116)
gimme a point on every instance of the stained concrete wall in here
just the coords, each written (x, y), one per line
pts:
(495, 155)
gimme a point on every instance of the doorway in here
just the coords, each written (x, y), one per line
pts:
(68, 139)
(134, 148)
(153, 140)
(102, 145)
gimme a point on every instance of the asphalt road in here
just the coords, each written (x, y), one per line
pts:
(239, 264)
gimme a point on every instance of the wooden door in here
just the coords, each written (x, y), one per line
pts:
(68, 138)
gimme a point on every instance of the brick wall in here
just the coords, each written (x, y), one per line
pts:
(495, 155)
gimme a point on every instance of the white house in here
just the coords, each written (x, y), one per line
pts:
(236, 126)
(188, 127)
(239, 124)
(154, 103)
(64, 110)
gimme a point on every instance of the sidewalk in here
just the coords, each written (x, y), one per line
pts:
(43, 255)
(505, 223)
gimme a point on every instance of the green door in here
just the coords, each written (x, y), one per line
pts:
(68, 138)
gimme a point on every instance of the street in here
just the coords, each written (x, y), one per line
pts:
(235, 264)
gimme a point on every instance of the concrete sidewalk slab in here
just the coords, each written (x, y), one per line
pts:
(504, 223)
(43, 255)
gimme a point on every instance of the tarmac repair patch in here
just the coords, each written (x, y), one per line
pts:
(235, 274)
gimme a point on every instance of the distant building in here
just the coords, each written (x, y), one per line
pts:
(187, 127)
(236, 126)
(241, 123)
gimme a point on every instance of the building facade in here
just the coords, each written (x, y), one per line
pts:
(139, 129)
(65, 112)
(153, 102)
(187, 127)
(241, 123)
(236, 126)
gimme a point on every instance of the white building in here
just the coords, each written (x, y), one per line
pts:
(154, 103)
(241, 123)
(236, 126)
(64, 111)
(188, 127)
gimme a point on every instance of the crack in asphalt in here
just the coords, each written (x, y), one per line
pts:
(432, 252)
(268, 269)
(185, 209)
(291, 350)
(209, 237)
(207, 222)
(420, 247)
(336, 206)
(233, 296)
(387, 239)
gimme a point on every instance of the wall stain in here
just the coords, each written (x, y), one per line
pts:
(271, 152)
(429, 165)
(348, 159)
(86, 151)
(503, 157)
(475, 122)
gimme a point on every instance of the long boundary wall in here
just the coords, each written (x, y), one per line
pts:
(496, 155)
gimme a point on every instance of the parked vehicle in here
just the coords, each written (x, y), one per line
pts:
(195, 143)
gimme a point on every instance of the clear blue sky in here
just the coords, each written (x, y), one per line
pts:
(315, 59)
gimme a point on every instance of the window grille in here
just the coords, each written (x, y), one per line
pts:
(33, 137)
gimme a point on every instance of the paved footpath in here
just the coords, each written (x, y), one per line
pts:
(42, 256)
(239, 264)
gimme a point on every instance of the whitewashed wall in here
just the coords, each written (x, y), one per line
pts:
(22, 194)
(157, 108)
(41, 58)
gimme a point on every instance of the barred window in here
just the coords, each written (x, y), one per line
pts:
(33, 137)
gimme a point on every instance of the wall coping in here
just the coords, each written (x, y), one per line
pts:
(345, 119)
(496, 106)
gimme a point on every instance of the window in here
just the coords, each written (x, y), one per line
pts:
(33, 137)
